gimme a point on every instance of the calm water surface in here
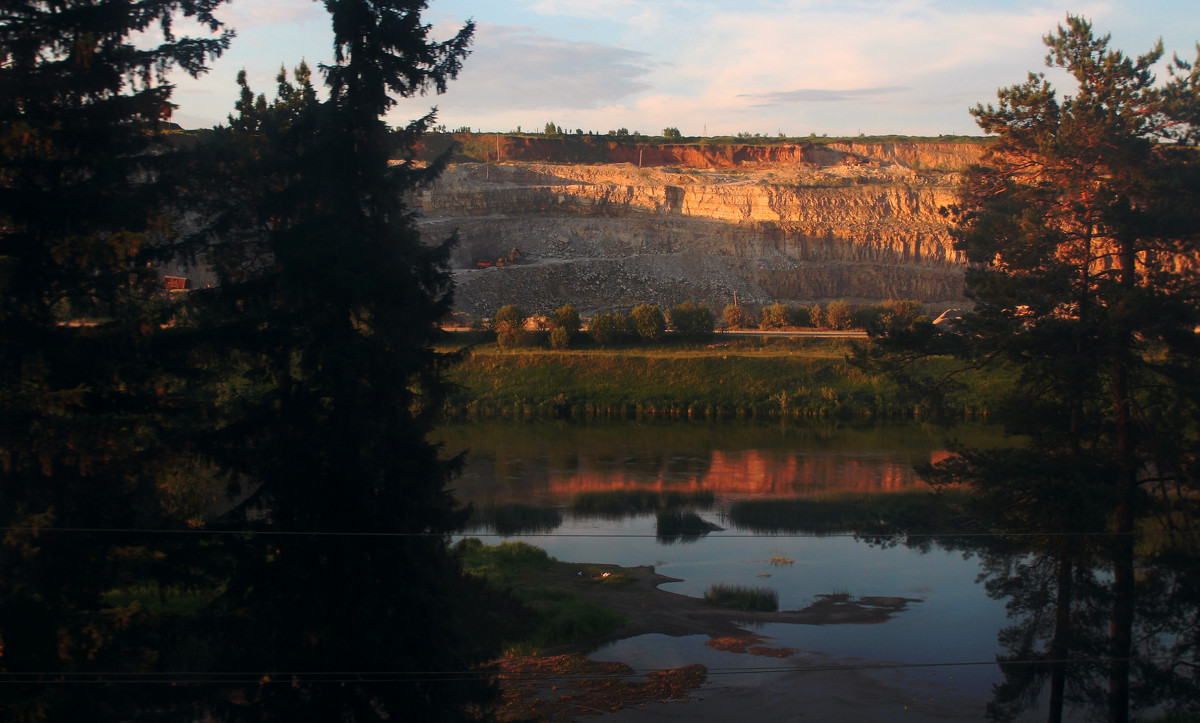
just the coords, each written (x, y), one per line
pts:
(547, 465)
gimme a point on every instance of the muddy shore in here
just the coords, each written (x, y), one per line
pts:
(813, 686)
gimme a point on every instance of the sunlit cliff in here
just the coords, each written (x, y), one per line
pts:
(663, 224)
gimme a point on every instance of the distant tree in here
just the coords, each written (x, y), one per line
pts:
(672, 134)
(565, 317)
(775, 316)
(647, 321)
(564, 323)
(509, 324)
(736, 317)
(838, 314)
(87, 197)
(802, 316)
(605, 328)
(816, 316)
(691, 320)
(894, 316)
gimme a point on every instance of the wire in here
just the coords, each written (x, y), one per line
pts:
(621, 535)
(291, 678)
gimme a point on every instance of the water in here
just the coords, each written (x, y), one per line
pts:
(954, 626)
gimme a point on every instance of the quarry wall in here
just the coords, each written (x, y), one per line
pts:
(664, 224)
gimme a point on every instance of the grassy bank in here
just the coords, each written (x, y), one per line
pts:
(769, 378)
(550, 616)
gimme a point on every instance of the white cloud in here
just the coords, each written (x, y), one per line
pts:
(832, 66)
(273, 13)
(512, 67)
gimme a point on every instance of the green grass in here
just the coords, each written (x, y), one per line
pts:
(773, 378)
(740, 597)
(555, 616)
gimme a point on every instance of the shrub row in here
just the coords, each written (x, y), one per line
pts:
(645, 322)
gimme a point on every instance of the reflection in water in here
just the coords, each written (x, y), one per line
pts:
(547, 464)
(1060, 595)
(1092, 622)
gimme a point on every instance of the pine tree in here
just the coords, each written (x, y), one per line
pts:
(326, 309)
(1081, 226)
(82, 396)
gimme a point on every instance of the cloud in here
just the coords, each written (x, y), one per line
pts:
(520, 68)
(818, 95)
(273, 13)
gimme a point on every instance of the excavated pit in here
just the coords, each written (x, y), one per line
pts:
(861, 223)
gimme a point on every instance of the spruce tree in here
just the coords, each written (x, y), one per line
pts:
(346, 604)
(83, 399)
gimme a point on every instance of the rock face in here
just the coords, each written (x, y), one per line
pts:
(798, 224)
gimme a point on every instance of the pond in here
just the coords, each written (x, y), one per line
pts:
(579, 491)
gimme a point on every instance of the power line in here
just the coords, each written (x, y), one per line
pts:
(618, 535)
(339, 677)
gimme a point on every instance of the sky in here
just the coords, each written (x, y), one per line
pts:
(796, 67)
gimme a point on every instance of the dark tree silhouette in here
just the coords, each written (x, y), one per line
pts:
(83, 393)
(1081, 226)
(347, 603)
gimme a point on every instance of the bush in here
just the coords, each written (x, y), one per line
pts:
(647, 322)
(691, 320)
(560, 338)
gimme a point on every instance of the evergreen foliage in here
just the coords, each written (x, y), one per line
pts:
(1083, 230)
(323, 324)
(86, 400)
(1082, 227)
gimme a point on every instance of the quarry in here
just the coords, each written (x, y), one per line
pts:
(606, 225)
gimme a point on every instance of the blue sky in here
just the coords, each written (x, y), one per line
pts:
(717, 68)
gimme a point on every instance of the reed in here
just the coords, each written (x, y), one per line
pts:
(741, 597)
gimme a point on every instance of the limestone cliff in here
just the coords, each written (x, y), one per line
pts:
(798, 223)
